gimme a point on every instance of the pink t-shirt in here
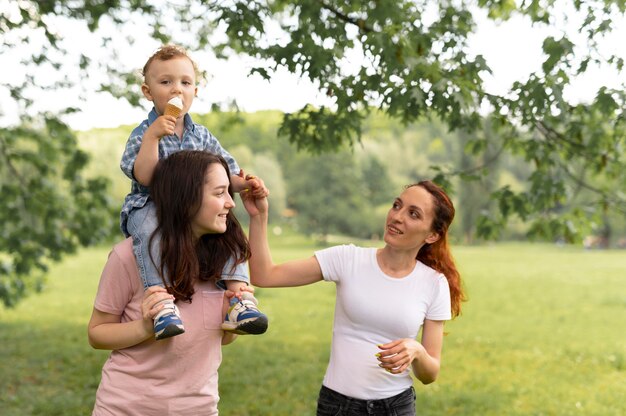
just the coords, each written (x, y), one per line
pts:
(175, 376)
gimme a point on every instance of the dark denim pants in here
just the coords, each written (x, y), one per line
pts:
(331, 403)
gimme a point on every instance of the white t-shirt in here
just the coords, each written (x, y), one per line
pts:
(174, 376)
(373, 308)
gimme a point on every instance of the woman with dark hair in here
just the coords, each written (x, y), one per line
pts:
(201, 242)
(384, 297)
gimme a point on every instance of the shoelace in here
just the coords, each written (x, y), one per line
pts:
(168, 308)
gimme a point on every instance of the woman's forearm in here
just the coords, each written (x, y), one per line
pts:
(425, 368)
(427, 362)
(116, 335)
(264, 273)
(261, 259)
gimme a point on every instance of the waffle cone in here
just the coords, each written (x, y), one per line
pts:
(172, 110)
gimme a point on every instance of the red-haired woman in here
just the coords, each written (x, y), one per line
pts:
(384, 297)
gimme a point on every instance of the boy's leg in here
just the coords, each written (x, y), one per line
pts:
(141, 225)
(243, 316)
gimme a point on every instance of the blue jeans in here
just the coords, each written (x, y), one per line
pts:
(332, 403)
(141, 224)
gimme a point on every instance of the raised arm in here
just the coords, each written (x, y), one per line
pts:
(148, 155)
(263, 271)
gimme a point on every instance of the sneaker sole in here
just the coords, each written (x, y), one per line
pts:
(255, 326)
(169, 331)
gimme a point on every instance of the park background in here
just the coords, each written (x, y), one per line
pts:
(542, 332)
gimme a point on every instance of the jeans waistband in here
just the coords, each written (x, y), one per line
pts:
(387, 403)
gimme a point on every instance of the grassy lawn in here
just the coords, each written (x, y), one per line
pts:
(543, 333)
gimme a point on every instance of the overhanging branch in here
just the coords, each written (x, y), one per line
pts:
(360, 23)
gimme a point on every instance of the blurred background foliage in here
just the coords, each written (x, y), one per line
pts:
(350, 191)
(407, 100)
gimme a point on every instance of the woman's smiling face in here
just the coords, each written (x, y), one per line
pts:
(216, 203)
(410, 218)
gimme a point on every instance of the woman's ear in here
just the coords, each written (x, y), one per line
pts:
(432, 238)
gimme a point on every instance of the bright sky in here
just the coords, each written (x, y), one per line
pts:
(512, 50)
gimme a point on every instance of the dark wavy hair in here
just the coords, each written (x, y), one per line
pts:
(437, 255)
(177, 192)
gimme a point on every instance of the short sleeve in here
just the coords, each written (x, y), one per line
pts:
(131, 151)
(238, 272)
(333, 261)
(440, 306)
(117, 285)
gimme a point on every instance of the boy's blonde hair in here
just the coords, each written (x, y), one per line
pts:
(167, 52)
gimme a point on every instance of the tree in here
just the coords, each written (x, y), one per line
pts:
(331, 197)
(415, 64)
(406, 58)
(48, 207)
(376, 181)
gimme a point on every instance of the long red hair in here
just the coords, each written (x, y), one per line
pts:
(437, 255)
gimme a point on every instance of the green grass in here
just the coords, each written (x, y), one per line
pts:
(543, 333)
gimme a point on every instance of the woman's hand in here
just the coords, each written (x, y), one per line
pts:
(229, 337)
(255, 203)
(152, 304)
(243, 183)
(106, 331)
(424, 357)
(396, 356)
(229, 294)
(256, 186)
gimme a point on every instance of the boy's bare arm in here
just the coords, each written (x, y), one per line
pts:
(238, 182)
(148, 155)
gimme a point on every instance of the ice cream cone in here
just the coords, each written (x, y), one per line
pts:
(174, 107)
(172, 110)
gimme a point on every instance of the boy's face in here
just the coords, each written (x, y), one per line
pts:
(175, 77)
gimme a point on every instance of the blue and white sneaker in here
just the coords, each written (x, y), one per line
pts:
(167, 322)
(244, 318)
